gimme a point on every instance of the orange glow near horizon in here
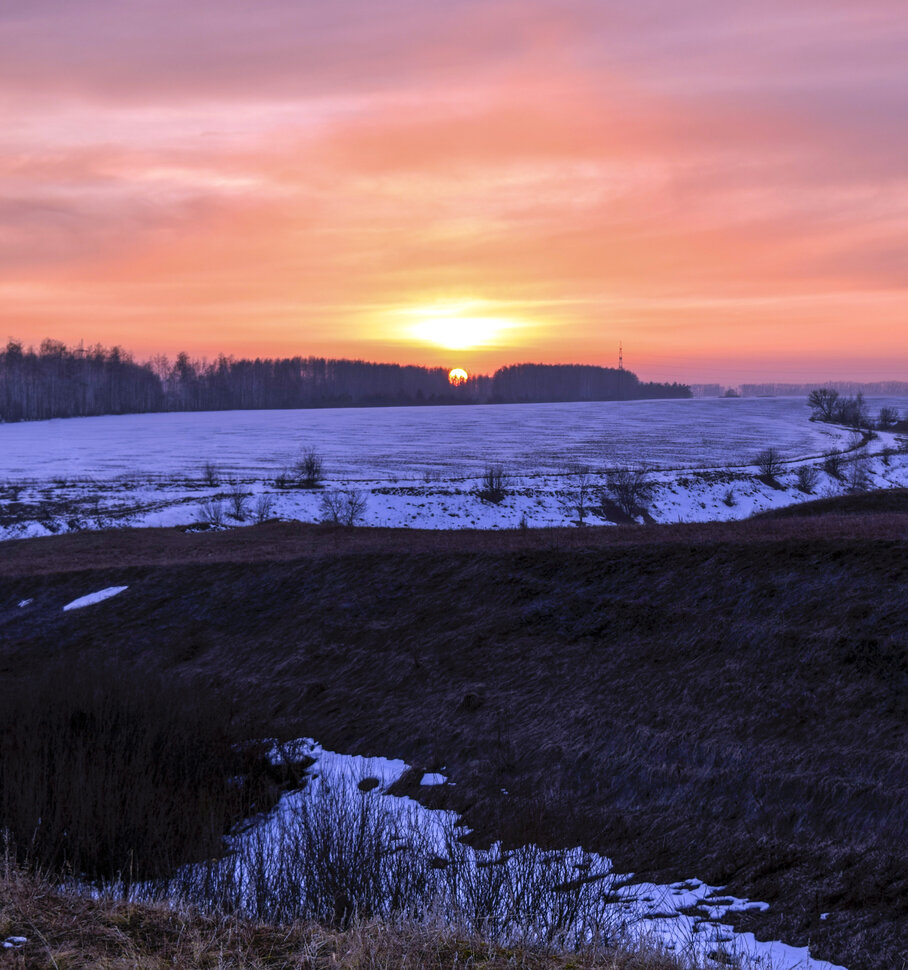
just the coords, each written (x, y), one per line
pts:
(513, 182)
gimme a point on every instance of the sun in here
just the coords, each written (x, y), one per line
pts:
(458, 376)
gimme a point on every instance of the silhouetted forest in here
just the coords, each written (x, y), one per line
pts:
(60, 382)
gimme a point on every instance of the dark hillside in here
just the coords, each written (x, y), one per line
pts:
(726, 702)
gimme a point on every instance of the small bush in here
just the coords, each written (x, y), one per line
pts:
(493, 485)
(769, 463)
(211, 512)
(238, 501)
(343, 507)
(888, 417)
(211, 475)
(807, 477)
(730, 498)
(833, 462)
(264, 506)
(579, 501)
(630, 488)
(857, 476)
(309, 469)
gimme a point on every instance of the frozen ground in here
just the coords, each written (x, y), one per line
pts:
(421, 467)
(683, 916)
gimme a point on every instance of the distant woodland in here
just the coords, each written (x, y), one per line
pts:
(56, 381)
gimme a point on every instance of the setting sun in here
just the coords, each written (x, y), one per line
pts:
(458, 376)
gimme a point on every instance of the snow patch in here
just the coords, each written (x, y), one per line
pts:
(432, 778)
(92, 598)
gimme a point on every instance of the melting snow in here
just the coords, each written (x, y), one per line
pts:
(683, 916)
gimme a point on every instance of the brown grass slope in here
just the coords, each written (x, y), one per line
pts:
(725, 702)
(72, 932)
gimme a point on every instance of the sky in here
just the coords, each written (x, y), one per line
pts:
(720, 187)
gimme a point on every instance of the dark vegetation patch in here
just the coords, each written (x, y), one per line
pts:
(114, 771)
(892, 501)
(728, 701)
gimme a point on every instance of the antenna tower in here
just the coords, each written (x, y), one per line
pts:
(620, 357)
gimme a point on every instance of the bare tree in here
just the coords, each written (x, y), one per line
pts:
(851, 411)
(823, 401)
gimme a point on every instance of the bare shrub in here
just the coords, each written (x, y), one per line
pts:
(769, 463)
(833, 462)
(630, 488)
(237, 498)
(730, 498)
(264, 506)
(888, 417)
(493, 486)
(211, 512)
(310, 469)
(857, 476)
(579, 499)
(343, 507)
(806, 477)
(211, 474)
(340, 854)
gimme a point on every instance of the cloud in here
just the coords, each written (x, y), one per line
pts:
(658, 166)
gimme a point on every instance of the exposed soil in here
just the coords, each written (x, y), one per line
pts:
(725, 701)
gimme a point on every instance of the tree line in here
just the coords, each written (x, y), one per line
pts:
(56, 381)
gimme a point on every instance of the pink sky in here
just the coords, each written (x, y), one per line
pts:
(721, 186)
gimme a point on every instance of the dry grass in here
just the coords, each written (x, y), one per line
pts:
(727, 701)
(66, 931)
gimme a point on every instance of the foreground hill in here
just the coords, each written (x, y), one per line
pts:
(724, 701)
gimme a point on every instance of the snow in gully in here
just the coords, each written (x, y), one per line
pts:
(571, 896)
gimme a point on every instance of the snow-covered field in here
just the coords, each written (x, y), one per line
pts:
(421, 467)
(684, 917)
